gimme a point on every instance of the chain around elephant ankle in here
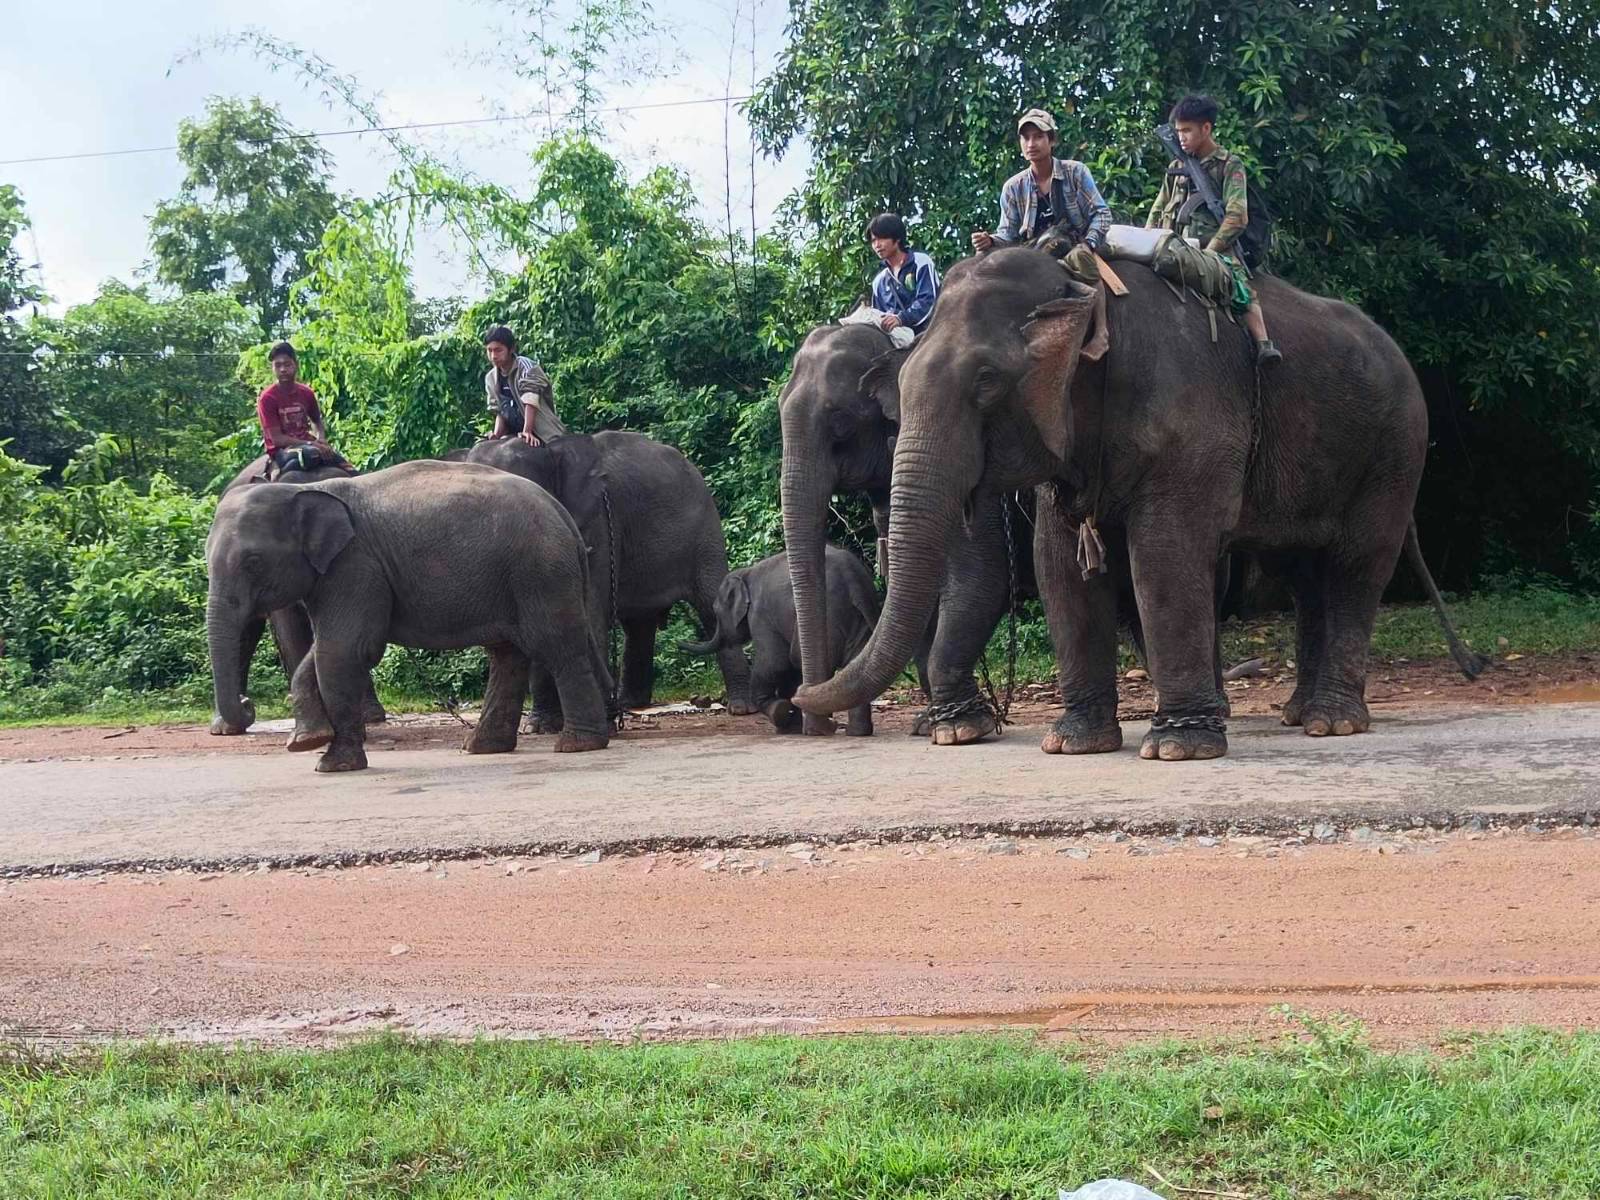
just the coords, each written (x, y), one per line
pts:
(1214, 724)
(938, 714)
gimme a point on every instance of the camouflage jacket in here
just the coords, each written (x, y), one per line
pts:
(1227, 172)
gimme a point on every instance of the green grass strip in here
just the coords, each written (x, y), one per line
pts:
(978, 1116)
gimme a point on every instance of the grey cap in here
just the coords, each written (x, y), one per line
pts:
(1038, 118)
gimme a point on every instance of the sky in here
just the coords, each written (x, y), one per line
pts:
(102, 75)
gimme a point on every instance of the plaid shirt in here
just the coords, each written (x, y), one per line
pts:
(1076, 200)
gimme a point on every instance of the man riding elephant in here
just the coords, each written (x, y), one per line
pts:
(520, 394)
(292, 428)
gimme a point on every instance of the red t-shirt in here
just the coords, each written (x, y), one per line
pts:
(292, 409)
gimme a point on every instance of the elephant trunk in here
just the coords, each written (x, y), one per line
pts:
(806, 492)
(224, 634)
(924, 512)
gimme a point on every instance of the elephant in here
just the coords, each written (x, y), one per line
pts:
(431, 555)
(839, 413)
(655, 536)
(1179, 451)
(291, 627)
(756, 604)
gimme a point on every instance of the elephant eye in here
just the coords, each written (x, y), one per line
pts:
(840, 425)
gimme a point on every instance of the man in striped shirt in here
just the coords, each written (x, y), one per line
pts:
(519, 392)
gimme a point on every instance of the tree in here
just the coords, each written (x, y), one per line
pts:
(157, 377)
(29, 421)
(254, 204)
(1434, 162)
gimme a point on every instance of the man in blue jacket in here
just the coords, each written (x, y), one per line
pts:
(905, 290)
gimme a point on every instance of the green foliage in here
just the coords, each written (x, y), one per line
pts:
(101, 587)
(254, 202)
(1323, 1117)
(29, 421)
(1433, 162)
(155, 377)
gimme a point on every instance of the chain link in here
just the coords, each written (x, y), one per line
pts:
(1211, 722)
(613, 629)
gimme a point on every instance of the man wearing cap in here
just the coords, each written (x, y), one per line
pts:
(1052, 191)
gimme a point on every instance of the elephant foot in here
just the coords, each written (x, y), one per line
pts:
(963, 731)
(341, 758)
(1335, 719)
(814, 726)
(374, 713)
(543, 723)
(312, 737)
(741, 708)
(635, 699)
(858, 728)
(577, 743)
(785, 717)
(1294, 708)
(922, 726)
(1183, 742)
(223, 728)
(1075, 734)
(490, 741)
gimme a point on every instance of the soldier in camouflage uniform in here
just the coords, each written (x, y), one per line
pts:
(1179, 209)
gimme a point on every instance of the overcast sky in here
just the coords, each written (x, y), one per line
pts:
(99, 76)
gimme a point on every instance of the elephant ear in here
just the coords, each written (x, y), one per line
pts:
(324, 526)
(738, 602)
(1055, 334)
(881, 382)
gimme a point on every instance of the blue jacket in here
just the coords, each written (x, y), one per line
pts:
(909, 293)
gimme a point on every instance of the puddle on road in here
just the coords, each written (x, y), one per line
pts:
(1568, 693)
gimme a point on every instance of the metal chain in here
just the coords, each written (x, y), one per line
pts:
(1211, 722)
(613, 629)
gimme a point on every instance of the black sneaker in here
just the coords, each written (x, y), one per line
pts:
(1267, 353)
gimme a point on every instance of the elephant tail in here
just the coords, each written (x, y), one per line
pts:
(1472, 664)
(701, 649)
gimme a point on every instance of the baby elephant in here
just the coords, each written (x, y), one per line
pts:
(756, 604)
(433, 555)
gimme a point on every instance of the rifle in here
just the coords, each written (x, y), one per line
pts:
(1198, 179)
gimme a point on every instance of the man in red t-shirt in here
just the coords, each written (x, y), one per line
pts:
(291, 420)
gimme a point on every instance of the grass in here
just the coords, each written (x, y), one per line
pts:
(979, 1116)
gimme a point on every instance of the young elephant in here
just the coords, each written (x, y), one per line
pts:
(432, 555)
(756, 604)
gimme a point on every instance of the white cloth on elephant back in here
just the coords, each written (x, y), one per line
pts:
(900, 335)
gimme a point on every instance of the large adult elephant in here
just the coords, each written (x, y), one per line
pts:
(1161, 441)
(655, 539)
(433, 555)
(291, 626)
(840, 413)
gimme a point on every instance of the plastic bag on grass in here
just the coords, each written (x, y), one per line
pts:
(1109, 1189)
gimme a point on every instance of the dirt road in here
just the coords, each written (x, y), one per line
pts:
(1089, 937)
(1442, 872)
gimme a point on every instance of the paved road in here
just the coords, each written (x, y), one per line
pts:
(652, 790)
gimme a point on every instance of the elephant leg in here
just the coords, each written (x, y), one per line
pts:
(582, 682)
(735, 667)
(312, 727)
(1306, 575)
(1173, 559)
(976, 592)
(859, 722)
(770, 689)
(496, 730)
(1355, 583)
(546, 714)
(639, 661)
(1082, 615)
(342, 675)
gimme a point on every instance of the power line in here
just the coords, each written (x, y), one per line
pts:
(332, 133)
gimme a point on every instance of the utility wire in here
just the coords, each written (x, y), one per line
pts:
(332, 133)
